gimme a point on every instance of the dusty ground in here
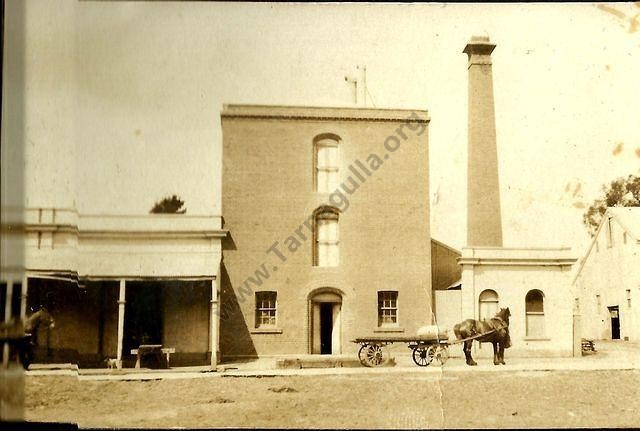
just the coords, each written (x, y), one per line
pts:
(482, 399)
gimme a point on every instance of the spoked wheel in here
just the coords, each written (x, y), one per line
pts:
(423, 355)
(362, 355)
(442, 354)
(372, 354)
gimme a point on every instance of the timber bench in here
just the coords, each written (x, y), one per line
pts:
(588, 346)
(150, 350)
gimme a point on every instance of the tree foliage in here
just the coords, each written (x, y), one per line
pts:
(622, 192)
(169, 205)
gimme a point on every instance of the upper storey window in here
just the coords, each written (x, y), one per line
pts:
(326, 237)
(327, 162)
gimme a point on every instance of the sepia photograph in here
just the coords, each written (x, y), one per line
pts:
(319, 215)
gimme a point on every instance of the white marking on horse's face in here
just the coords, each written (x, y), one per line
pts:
(52, 325)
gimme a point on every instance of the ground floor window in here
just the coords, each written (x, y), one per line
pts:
(266, 307)
(534, 307)
(387, 308)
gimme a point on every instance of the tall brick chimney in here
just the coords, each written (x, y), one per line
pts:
(484, 225)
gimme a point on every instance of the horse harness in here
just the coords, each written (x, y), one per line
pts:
(503, 326)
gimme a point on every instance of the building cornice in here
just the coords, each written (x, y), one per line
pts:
(323, 113)
(516, 262)
(152, 234)
(503, 256)
(16, 228)
(154, 226)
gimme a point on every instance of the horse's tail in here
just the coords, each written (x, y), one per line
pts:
(456, 330)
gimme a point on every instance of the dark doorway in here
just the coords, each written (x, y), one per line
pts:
(615, 323)
(143, 315)
(326, 327)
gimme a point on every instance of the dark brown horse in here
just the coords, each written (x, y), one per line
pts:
(496, 330)
(31, 326)
(40, 317)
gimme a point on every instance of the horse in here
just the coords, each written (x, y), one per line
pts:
(496, 332)
(31, 326)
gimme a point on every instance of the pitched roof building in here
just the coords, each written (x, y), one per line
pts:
(607, 281)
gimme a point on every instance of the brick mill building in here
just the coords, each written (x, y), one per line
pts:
(328, 217)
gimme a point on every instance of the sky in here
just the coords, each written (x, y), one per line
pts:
(135, 91)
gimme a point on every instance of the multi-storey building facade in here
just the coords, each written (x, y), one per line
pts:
(328, 217)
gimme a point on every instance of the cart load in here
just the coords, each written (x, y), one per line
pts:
(433, 331)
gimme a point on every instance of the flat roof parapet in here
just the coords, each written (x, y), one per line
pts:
(324, 113)
(560, 256)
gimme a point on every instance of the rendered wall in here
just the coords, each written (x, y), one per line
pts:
(512, 280)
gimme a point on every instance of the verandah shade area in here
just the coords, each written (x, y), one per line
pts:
(174, 313)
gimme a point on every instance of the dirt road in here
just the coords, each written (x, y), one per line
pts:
(482, 399)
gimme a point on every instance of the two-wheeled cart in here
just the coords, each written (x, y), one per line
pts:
(424, 349)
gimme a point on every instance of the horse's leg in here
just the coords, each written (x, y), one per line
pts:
(501, 354)
(496, 358)
(467, 353)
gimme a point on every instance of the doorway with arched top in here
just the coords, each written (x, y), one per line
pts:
(325, 329)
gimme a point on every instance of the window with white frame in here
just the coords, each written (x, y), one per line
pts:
(326, 237)
(327, 163)
(266, 309)
(388, 308)
(534, 308)
(488, 304)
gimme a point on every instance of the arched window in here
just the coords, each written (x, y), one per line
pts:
(327, 163)
(488, 304)
(326, 237)
(534, 308)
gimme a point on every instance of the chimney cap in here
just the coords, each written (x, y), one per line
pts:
(479, 45)
(479, 38)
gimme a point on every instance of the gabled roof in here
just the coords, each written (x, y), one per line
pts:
(629, 220)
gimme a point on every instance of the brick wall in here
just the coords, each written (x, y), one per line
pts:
(268, 191)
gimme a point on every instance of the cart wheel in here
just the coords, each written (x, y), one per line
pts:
(423, 355)
(373, 355)
(362, 356)
(442, 354)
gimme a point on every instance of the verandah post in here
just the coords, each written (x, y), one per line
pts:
(24, 297)
(214, 321)
(7, 318)
(121, 303)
